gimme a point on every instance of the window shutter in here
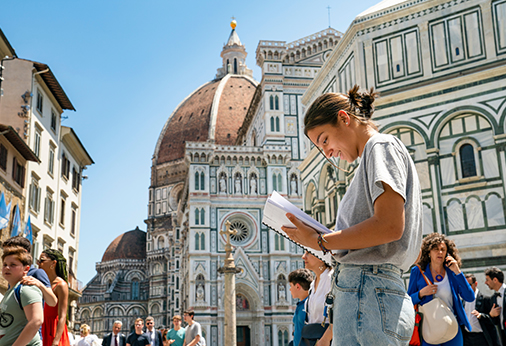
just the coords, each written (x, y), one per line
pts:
(14, 168)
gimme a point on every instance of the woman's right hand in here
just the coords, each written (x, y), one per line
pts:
(428, 290)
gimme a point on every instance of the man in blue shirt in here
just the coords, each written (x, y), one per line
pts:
(43, 281)
(299, 280)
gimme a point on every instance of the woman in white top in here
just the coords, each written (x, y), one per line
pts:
(87, 339)
(320, 287)
(440, 261)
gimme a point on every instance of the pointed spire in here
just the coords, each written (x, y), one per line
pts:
(233, 38)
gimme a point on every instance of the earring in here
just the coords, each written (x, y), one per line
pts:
(52, 267)
(321, 267)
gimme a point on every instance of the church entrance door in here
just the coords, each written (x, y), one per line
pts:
(243, 336)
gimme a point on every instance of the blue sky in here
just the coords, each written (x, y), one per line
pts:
(126, 65)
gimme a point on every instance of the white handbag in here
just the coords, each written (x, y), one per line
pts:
(439, 324)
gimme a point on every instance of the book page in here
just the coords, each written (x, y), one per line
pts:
(274, 217)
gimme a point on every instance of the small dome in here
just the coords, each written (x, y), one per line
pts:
(129, 245)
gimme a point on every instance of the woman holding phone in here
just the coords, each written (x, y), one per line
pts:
(441, 263)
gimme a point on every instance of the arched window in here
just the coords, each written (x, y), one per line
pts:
(197, 214)
(97, 320)
(161, 242)
(197, 241)
(227, 67)
(135, 289)
(282, 338)
(271, 102)
(277, 124)
(202, 216)
(177, 283)
(235, 65)
(279, 243)
(467, 162)
(274, 182)
(202, 181)
(202, 241)
(280, 184)
(276, 102)
(272, 124)
(197, 180)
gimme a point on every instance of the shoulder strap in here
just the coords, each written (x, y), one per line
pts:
(421, 271)
(17, 295)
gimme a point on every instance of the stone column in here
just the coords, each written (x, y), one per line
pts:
(229, 269)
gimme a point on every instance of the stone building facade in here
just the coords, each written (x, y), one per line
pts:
(440, 68)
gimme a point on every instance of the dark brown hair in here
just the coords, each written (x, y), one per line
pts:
(432, 241)
(190, 313)
(471, 276)
(324, 110)
(494, 272)
(18, 241)
(19, 253)
(301, 276)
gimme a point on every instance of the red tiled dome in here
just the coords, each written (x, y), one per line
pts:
(213, 112)
(129, 245)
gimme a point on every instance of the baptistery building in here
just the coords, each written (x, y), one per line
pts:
(440, 67)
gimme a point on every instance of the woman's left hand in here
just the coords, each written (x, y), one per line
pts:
(31, 281)
(301, 234)
(452, 264)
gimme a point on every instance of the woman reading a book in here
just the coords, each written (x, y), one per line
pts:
(378, 227)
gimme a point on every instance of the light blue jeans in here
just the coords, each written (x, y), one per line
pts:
(371, 306)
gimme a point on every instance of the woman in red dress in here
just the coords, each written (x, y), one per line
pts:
(54, 328)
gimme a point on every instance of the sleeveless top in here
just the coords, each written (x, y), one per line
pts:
(50, 324)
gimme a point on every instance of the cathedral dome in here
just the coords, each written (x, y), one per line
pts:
(215, 111)
(129, 245)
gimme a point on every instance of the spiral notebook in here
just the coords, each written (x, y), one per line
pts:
(274, 217)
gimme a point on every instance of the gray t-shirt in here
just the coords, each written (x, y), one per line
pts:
(192, 331)
(384, 159)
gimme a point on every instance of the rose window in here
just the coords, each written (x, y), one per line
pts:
(242, 231)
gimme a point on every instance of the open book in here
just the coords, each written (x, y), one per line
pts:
(275, 211)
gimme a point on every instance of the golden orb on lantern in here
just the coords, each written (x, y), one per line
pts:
(233, 24)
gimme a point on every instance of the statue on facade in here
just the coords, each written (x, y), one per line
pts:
(238, 189)
(223, 184)
(200, 292)
(281, 292)
(253, 185)
(293, 185)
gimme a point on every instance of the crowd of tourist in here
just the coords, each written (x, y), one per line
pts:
(33, 311)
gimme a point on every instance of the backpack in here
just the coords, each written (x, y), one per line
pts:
(17, 295)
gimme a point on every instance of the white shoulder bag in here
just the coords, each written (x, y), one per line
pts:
(439, 324)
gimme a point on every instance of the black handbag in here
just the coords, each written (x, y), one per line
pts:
(311, 333)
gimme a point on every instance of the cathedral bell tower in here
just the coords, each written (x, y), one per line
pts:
(234, 56)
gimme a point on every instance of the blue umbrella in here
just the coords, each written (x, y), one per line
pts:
(5, 211)
(16, 223)
(28, 230)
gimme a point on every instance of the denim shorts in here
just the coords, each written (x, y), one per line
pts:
(371, 306)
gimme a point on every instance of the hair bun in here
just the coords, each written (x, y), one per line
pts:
(362, 102)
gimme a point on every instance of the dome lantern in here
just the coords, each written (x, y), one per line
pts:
(234, 56)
